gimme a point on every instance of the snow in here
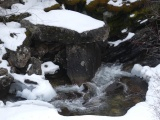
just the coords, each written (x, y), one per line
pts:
(37, 110)
(30, 6)
(116, 43)
(143, 21)
(88, 1)
(136, 70)
(132, 15)
(124, 30)
(42, 90)
(119, 3)
(152, 76)
(49, 68)
(66, 19)
(60, 18)
(3, 63)
(12, 35)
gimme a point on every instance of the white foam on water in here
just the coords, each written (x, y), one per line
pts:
(106, 75)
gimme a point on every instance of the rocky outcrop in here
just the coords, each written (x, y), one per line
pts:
(82, 51)
(20, 57)
(143, 48)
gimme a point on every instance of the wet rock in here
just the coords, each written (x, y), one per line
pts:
(90, 90)
(68, 95)
(19, 58)
(35, 67)
(82, 62)
(115, 88)
(3, 71)
(5, 83)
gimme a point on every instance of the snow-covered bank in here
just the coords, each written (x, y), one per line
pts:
(39, 90)
(152, 76)
(35, 110)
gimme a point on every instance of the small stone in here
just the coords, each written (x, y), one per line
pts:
(30, 82)
(3, 71)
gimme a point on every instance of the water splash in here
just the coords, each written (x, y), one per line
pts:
(93, 96)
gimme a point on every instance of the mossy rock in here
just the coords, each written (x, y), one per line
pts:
(53, 7)
(92, 5)
(122, 19)
(103, 2)
(125, 7)
(72, 2)
(27, 41)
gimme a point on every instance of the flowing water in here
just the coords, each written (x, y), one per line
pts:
(107, 94)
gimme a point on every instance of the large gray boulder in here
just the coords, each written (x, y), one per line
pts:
(83, 54)
(57, 34)
(83, 61)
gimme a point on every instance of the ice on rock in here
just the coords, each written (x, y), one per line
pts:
(136, 70)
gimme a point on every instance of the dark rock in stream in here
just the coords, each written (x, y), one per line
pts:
(115, 88)
(82, 62)
(90, 90)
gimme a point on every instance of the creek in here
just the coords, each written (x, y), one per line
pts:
(111, 92)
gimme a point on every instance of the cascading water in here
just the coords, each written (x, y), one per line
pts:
(91, 97)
